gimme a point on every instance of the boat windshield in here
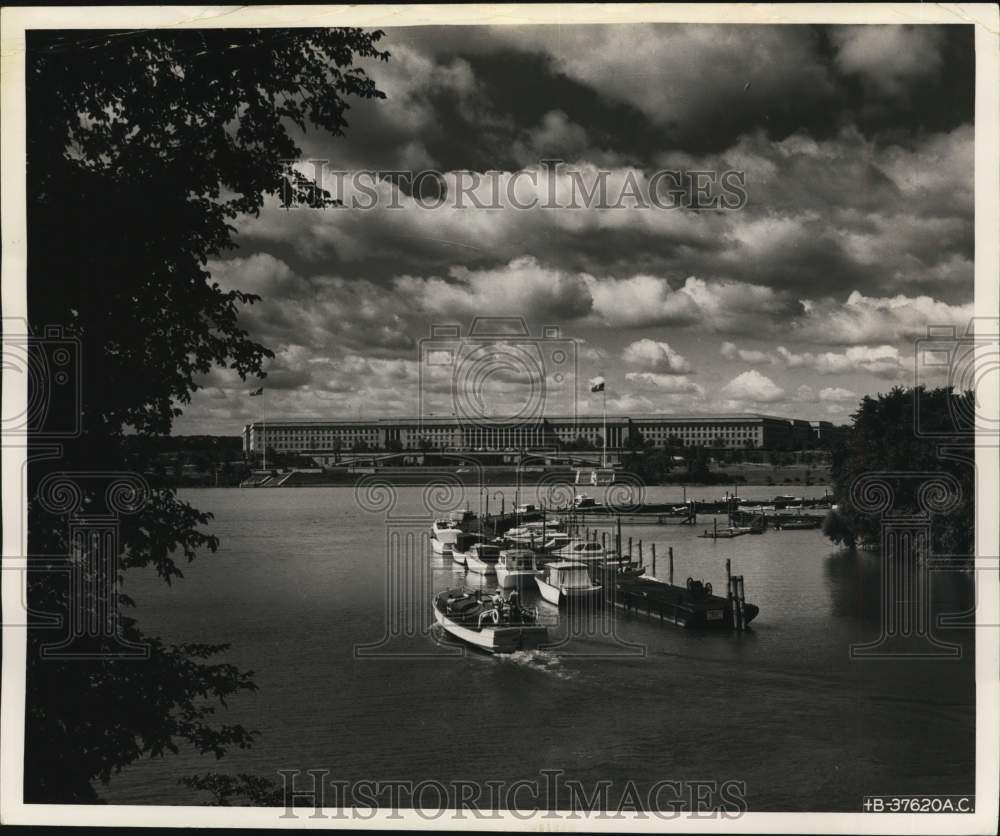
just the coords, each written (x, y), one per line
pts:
(486, 552)
(573, 577)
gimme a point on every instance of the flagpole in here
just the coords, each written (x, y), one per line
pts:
(604, 454)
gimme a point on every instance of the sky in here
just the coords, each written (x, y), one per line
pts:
(856, 148)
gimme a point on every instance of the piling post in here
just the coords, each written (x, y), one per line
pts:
(742, 596)
(653, 547)
(730, 597)
(670, 558)
(640, 553)
(604, 540)
(618, 536)
(629, 549)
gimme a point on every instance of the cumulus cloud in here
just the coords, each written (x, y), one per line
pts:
(523, 287)
(708, 67)
(666, 383)
(754, 387)
(641, 300)
(888, 57)
(656, 356)
(837, 394)
(882, 361)
(854, 183)
(730, 351)
(862, 319)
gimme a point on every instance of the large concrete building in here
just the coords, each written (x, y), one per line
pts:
(728, 431)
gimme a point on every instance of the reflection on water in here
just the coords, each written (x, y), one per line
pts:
(301, 582)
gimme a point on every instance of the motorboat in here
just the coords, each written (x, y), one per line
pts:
(534, 535)
(482, 558)
(515, 566)
(556, 541)
(460, 548)
(491, 623)
(581, 500)
(582, 551)
(565, 580)
(444, 533)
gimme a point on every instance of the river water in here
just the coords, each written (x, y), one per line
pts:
(352, 680)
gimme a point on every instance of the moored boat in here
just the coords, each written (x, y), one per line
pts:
(556, 541)
(482, 558)
(534, 535)
(514, 567)
(564, 581)
(588, 552)
(444, 533)
(460, 548)
(494, 624)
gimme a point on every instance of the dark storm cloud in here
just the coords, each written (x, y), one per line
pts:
(856, 143)
(643, 89)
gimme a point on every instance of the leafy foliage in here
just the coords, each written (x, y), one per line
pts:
(906, 431)
(143, 147)
(243, 789)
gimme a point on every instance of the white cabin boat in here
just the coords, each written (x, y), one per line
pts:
(582, 551)
(564, 581)
(494, 624)
(557, 541)
(460, 548)
(515, 566)
(534, 535)
(482, 558)
(444, 533)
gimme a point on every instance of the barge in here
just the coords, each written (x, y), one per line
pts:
(692, 606)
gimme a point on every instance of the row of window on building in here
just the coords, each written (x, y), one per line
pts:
(386, 434)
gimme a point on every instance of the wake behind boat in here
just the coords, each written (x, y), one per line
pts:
(494, 624)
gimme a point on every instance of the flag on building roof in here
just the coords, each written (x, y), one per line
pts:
(597, 384)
